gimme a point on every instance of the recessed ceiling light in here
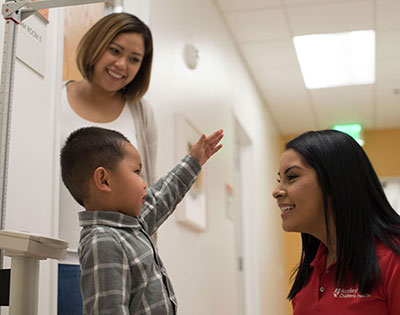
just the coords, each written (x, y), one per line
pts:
(336, 59)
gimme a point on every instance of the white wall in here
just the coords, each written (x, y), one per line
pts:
(33, 159)
(203, 266)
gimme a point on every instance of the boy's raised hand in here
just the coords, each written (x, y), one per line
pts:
(205, 147)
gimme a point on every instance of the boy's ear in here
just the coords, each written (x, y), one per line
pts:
(101, 178)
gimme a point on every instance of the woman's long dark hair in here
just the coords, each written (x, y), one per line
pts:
(361, 212)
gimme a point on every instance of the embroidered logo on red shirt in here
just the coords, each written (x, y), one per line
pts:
(351, 293)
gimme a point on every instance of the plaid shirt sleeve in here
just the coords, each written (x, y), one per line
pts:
(105, 279)
(163, 197)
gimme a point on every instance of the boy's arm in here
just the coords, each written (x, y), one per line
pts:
(105, 280)
(168, 191)
(163, 197)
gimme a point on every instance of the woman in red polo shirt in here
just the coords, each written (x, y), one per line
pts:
(329, 192)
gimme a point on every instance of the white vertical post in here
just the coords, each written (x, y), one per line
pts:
(26, 250)
(24, 285)
(6, 89)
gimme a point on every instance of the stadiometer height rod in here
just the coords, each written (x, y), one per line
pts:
(14, 13)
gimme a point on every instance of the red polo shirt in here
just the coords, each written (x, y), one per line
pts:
(322, 296)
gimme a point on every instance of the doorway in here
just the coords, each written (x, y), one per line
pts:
(244, 223)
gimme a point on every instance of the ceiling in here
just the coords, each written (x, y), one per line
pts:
(263, 31)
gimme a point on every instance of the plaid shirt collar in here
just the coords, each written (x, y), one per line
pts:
(108, 218)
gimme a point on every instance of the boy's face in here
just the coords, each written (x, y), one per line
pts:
(128, 187)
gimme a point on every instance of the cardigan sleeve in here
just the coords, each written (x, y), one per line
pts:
(146, 135)
(150, 129)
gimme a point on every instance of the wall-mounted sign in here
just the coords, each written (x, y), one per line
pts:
(31, 43)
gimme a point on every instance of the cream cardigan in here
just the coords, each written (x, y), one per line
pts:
(146, 136)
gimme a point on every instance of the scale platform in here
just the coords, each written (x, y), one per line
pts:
(17, 243)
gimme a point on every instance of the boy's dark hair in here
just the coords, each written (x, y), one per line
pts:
(85, 150)
(360, 209)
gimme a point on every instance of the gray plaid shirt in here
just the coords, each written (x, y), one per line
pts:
(121, 271)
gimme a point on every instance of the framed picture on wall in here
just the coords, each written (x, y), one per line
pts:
(192, 210)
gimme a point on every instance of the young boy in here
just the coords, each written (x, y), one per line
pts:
(121, 271)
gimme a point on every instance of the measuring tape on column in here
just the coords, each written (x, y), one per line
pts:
(6, 90)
